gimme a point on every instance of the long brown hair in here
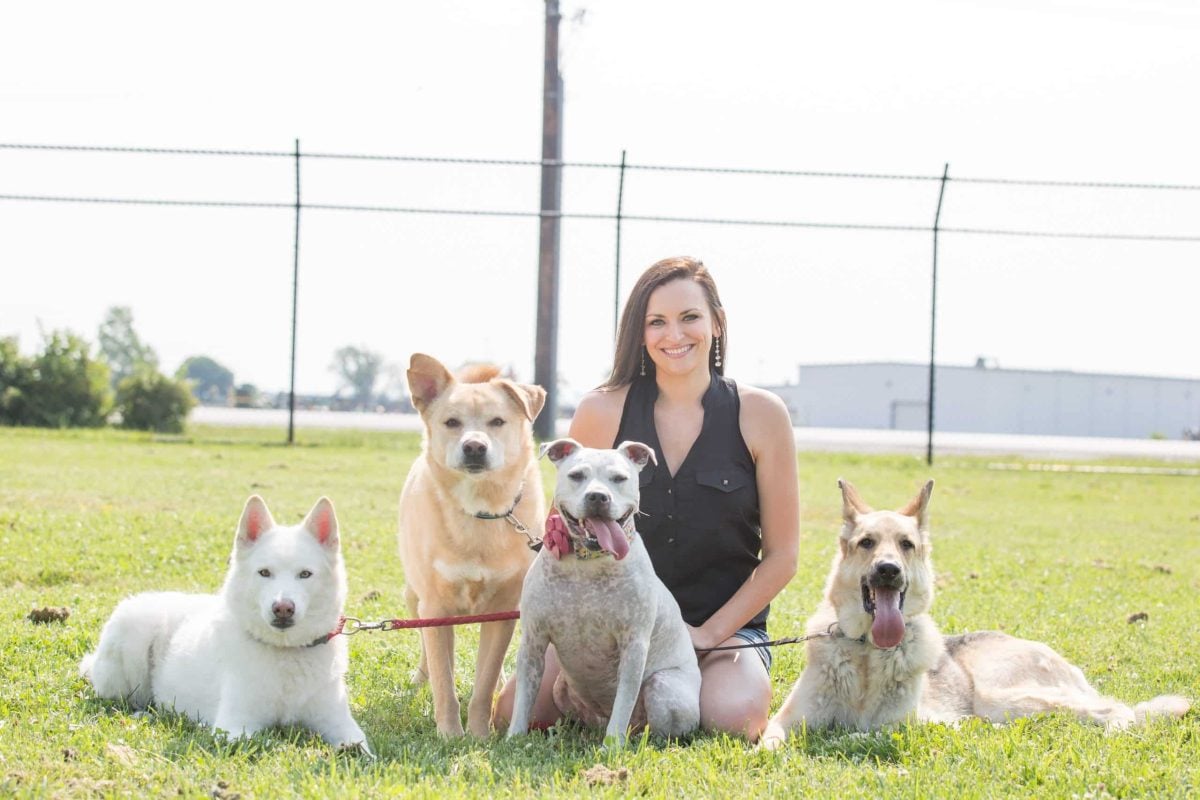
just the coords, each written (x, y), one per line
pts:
(628, 360)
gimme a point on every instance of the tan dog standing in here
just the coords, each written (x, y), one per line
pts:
(877, 658)
(477, 474)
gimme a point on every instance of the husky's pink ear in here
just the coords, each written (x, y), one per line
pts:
(918, 505)
(427, 379)
(529, 398)
(852, 504)
(640, 454)
(256, 520)
(559, 449)
(322, 523)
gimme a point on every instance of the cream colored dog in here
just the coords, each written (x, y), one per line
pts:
(877, 657)
(475, 481)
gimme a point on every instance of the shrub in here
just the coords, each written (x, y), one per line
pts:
(16, 374)
(62, 387)
(150, 401)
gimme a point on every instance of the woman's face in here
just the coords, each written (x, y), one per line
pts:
(679, 327)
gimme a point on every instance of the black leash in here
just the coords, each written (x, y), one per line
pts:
(827, 633)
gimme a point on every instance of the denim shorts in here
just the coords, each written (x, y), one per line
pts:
(752, 635)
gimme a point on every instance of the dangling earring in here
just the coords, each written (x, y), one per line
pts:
(717, 349)
(643, 361)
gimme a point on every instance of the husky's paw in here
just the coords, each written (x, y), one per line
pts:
(356, 749)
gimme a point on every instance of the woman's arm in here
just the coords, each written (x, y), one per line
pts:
(767, 430)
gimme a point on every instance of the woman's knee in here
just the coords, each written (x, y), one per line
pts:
(735, 697)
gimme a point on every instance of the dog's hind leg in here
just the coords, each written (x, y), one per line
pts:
(999, 705)
(672, 700)
(494, 638)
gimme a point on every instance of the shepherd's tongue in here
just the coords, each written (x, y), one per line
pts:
(888, 628)
(609, 535)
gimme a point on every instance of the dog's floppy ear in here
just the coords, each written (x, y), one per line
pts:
(256, 520)
(427, 379)
(322, 523)
(852, 503)
(918, 505)
(559, 449)
(529, 398)
(640, 454)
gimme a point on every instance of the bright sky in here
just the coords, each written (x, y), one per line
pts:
(1039, 89)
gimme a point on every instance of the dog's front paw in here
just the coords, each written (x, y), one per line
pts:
(451, 729)
(772, 738)
(614, 742)
(356, 749)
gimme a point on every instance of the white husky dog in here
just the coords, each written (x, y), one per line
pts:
(258, 653)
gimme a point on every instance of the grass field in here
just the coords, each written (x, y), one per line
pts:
(88, 517)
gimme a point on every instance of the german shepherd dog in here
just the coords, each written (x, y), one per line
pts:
(878, 659)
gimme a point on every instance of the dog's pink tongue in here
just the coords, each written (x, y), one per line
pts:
(609, 535)
(888, 628)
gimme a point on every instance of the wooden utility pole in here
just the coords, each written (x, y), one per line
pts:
(545, 369)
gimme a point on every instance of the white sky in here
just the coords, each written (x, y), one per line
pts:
(1046, 89)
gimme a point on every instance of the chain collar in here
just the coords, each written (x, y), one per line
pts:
(509, 517)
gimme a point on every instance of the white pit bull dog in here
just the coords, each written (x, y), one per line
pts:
(627, 659)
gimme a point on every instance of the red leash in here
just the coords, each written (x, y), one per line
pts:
(348, 626)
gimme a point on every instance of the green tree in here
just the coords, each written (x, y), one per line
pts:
(359, 370)
(121, 347)
(211, 382)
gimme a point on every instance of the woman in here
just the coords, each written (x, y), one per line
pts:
(720, 511)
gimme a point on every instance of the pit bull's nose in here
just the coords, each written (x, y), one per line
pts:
(473, 448)
(887, 571)
(597, 499)
(283, 609)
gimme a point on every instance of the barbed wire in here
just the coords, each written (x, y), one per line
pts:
(877, 176)
(582, 215)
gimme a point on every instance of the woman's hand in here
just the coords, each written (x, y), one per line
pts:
(556, 539)
(701, 638)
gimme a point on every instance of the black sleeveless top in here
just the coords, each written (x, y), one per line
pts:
(701, 527)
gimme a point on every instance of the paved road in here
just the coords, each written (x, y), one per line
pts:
(813, 439)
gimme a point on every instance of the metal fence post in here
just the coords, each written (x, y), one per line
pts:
(617, 274)
(937, 218)
(291, 437)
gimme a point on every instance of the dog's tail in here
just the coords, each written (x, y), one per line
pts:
(85, 666)
(1165, 705)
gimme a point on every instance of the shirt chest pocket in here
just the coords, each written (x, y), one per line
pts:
(724, 480)
(723, 497)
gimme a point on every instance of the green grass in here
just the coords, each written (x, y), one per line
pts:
(88, 517)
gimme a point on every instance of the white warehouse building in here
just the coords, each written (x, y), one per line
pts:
(985, 399)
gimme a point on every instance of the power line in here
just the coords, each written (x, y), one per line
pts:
(501, 162)
(577, 215)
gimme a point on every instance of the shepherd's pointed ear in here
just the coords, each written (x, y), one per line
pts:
(917, 507)
(322, 523)
(256, 520)
(852, 503)
(559, 449)
(427, 379)
(640, 454)
(529, 398)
